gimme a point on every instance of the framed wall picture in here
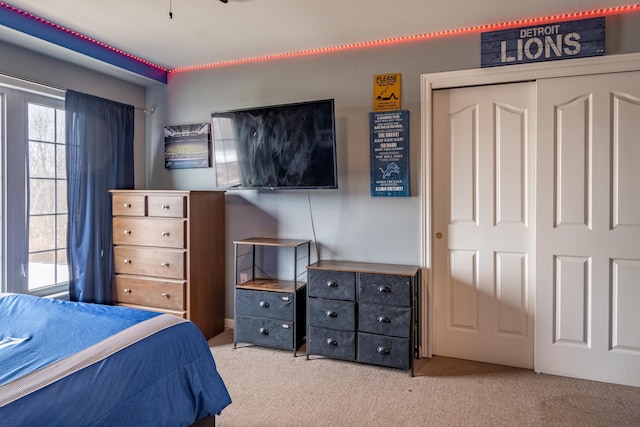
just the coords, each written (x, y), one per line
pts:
(187, 146)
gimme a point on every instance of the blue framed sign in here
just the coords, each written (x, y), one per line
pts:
(549, 42)
(389, 135)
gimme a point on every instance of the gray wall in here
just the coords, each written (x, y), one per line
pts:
(349, 224)
(27, 64)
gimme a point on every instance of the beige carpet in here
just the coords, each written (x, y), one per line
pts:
(272, 388)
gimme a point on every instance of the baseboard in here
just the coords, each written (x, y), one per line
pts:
(229, 323)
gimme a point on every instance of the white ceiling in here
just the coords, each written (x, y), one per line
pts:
(204, 32)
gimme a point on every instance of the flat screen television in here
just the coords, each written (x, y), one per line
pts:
(288, 146)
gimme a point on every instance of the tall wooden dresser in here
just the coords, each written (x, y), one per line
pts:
(169, 253)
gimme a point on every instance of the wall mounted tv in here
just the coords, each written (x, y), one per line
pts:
(289, 146)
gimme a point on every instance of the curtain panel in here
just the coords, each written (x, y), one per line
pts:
(99, 138)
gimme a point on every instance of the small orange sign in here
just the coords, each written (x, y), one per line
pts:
(386, 92)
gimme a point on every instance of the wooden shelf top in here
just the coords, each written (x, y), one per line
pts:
(365, 267)
(115, 190)
(270, 285)
(271, 241)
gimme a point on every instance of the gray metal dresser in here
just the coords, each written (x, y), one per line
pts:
(270, 309)
(364, 312)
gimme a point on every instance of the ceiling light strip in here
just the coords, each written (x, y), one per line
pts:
(420, 37)
(33, 25)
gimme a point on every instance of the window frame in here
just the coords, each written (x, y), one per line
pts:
(15, 96)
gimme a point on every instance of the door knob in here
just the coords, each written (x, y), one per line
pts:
(438, 235)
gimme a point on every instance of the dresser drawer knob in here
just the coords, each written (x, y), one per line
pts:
(164, 264)
(383, 350)
(166, 207)
(165, 234)
(331, 314)
(127, 231)
(385, 289)
(331, 341)
(127, 291)
(127, 205)
(263, 304)
(164, 295)
(332, 284)
(384, 319)
(127, 261)
(263, 331)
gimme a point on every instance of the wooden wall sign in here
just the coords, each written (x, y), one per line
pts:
(561, 40)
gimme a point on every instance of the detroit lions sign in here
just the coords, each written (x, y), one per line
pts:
(389, 134)
(548, 42)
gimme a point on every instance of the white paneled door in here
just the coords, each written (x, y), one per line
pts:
(483, 223)
(588, 228)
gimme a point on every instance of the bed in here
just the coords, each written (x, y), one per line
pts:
(68, 364)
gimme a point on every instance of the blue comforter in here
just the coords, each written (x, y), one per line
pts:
(78, 364)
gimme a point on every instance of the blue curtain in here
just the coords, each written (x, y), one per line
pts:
(99, 137)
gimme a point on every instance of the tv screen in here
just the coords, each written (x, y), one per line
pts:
(289, 146)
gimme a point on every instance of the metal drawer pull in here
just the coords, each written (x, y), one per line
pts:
(165, 206)
(385, 289)
(383, 350)
(164, 264)
(332, 284)
(332, 314)
(127, 261)
(383, 319)
(127, 205)
(263, 331)
(164, 295)
(127, 291)
(263, 304)
(331, 341)
(164, 234)
(127, 231)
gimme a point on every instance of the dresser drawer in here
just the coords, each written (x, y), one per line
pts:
(332, 314)
(332, 343)
(155, 293)
(167, 206)
(384, 289)
(382, 350)
(129, 205)
(262, 331)
(384, 319)
(273, 305)
(166, 263)
(166, 233)
(330, 284)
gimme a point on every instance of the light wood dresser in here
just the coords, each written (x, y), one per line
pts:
(169, 253)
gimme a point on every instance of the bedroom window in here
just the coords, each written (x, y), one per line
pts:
(47, 198)
(33, 189)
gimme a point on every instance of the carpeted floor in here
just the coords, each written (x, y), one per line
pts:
(272, 388)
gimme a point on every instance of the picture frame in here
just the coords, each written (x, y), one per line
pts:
(187, 146)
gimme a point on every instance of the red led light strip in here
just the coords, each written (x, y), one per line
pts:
(419, 37)
(80, 36)
(394, 40)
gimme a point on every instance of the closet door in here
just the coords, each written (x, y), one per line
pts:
(588, 228)
(482, 223)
